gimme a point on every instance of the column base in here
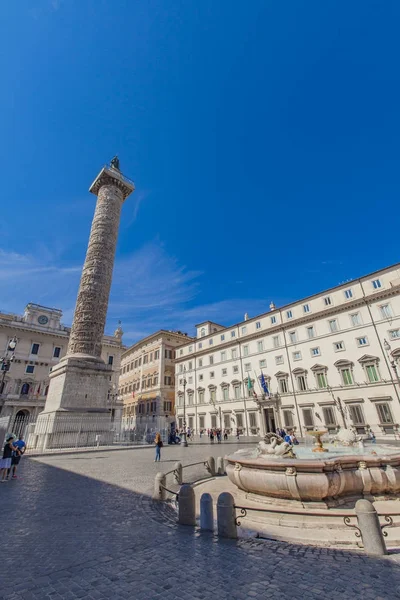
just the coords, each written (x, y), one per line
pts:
(79, 383)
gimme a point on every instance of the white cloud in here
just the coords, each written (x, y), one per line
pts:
(150, 291)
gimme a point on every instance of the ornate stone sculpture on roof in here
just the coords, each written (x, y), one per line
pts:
(118, 333)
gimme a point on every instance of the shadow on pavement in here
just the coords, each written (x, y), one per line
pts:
(67, 535)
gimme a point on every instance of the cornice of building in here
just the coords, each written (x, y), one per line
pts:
(308, 318)
(161, 333)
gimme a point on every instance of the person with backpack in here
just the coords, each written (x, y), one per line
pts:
(20, 448)
(5, 462)
(159, 445)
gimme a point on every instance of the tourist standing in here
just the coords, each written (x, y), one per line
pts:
(225, 435)
(159, 445)
(288, 439)
(20, 448)
(211, 436)
(237, 434)
(5, 462)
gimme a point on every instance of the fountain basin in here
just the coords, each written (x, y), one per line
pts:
(329, 479)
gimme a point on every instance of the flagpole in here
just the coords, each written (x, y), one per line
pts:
(259, 384)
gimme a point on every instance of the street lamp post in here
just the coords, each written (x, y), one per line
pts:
(184, 409)
(387, 347)
(339, 405)
(6, 360)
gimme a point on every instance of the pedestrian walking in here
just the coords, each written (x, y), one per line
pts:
(211, 436)
(20, 448)
(237, 434)
(225, 435)
(159, 445)
(5, 462)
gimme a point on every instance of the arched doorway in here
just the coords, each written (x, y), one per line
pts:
(21, 422)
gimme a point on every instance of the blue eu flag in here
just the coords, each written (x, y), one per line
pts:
(264, 384)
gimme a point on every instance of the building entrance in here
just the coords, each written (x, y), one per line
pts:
(270, 424)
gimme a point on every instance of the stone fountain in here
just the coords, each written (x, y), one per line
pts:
(327, 476)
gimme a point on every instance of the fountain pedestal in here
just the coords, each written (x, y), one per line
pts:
(319, 447)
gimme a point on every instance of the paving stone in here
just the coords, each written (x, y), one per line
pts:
(84, 526)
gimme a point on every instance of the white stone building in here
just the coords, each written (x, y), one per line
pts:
(147, 382)
(41, 341)
(324, 358)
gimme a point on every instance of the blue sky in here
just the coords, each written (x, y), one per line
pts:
(263, 138)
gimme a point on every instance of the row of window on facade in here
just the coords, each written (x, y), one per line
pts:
(145, 383)
(345, 368)
(338, 346)
(26, 389)
(147, 359)
(369, 364)
(386, 312)
(330, 418)
(146, 408)
(35, 348)
(230, 422)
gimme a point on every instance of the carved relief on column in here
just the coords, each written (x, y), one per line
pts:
(94, 290)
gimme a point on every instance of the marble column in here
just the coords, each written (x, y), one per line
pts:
(87, 331)
(80, 382)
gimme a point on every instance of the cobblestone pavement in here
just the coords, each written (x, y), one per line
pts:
(85, 527)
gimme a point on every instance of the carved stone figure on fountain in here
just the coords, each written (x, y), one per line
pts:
(274, 446)
(347, 437)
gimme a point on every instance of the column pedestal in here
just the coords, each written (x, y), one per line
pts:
(75, 414)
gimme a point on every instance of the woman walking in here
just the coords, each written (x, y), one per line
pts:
(159, 445)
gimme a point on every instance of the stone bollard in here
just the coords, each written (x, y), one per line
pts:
(186, 506)
(371, 532)
(206, 513)
(220, 465)
(211, 465)
(178, 473)
(159, 492)
(226, 516)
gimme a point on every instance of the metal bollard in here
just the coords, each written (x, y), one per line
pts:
(210, 462)
(371, 532)
(206, 513)
(220, 465)
(159, 491)
(226, 516)
(186, 506)
(178, 473)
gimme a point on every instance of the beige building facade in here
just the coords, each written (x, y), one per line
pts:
(328, 359)
(147, 382)
(42, 341)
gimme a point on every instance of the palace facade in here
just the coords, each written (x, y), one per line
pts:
(327, 360)
(147, 382)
